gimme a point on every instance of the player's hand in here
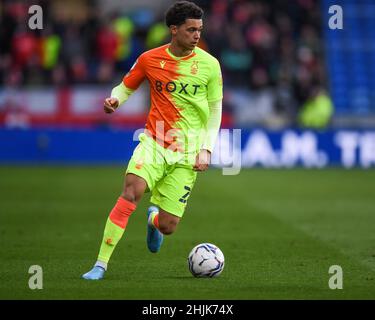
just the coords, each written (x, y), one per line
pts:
(202, 161)
(110, 105)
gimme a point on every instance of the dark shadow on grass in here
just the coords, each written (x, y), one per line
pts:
(187, 278)
(179, 277)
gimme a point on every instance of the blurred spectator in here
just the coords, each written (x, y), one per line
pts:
(50, 50)
(74, 53)
(123, 28)
(317, 111)
(236, 59)
(107, 48)
(157, 35)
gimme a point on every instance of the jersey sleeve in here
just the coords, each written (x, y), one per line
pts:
(136, 74)
(215, 84)
(121, 93)
(213, 125)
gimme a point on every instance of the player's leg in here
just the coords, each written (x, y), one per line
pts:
(154, 236)
(133, 190)
(170, 195)
(165, 222)
(141, 175)
(159, 223)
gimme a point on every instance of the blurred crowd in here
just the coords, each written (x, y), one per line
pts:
(269, 51)
(273, 48)
(74, 47)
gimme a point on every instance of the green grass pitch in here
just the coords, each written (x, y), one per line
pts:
(280, 231)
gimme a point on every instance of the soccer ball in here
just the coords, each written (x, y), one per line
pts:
(206, 260)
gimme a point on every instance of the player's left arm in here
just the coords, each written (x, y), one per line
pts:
(214, 97)
(203, 159)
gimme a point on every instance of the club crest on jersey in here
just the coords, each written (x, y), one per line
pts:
(194, 67)
(162, 64)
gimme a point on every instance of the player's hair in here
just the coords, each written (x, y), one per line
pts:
(182, 10)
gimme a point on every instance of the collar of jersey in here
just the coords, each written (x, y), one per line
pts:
(180, 58)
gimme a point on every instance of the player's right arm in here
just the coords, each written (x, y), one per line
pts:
(129, 84)
(119, 95)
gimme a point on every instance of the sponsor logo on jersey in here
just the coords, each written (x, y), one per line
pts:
(179, 87)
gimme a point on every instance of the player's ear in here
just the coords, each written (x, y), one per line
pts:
(173, 29)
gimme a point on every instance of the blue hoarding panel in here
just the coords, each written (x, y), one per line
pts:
(258, 147)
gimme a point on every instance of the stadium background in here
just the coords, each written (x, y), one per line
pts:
(302, 93)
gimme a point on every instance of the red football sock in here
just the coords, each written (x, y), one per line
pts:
(156, 221)
(121, 212)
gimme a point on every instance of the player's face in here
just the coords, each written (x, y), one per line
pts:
(188, 34)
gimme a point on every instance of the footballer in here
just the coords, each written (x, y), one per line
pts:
(184, 119)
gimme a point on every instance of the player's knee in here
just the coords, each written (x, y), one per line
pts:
(130, 195)
(134, 188)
